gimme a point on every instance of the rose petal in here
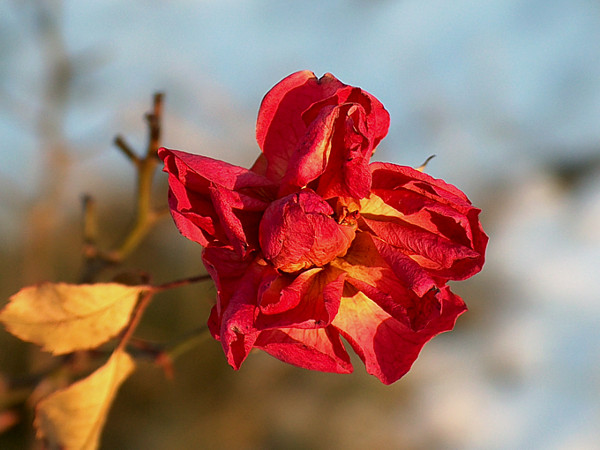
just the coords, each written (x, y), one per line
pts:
(431, 250)
(279, 125)
(315, 349)
(215, 203)
(194, 215)
(348, 173)
(197, 171)
(309, 300)
(225, 266)
(377, 118)
(369, 253)
(390, 281)
(310, 158)
(387, 346)
(335, 150)
(298, 232)
(232, 318)
(290, 107)
(237, 333)
(427, 219)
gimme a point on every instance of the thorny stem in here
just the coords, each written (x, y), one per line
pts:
(90, 221)
(97, 260)
(146, 216)
(122, 144)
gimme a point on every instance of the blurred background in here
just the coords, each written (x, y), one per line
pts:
(506, 93)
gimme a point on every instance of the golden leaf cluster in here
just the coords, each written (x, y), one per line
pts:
(64, 318)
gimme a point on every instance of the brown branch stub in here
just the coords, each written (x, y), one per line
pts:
(90, 221)
(421, 168)
(154, 120)
(146, 214)
(122, 145)
(89, 228)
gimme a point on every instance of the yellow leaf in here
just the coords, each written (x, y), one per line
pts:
(65, 317)
(72, 418)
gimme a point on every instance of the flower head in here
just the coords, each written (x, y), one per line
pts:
(314, 242)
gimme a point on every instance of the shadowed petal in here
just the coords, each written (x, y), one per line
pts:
(314, 349)
(226, 267)
(237, 334)
(369, 257)
(215, 203)
(427, 219)
(308, 300)
(298, 231)
(232, 318)
(387, 346)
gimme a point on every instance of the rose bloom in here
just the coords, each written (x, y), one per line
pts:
(314, 243)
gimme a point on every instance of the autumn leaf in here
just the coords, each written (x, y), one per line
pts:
(72, 418)
(65, 317)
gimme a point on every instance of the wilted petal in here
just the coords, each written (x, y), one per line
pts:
(309, 300)
(314, 349)
(391, 281)
(197, 172)
(348, 173)
(298, 232)
(387, 346)
(237, 332)
(194, 214)
(226, 267)
(389, 277)
(237, 281)
(377, 118)
(279, 126)
(213, 202)
(311, 157)
(336, 150)
(427, 219)
(295, 109)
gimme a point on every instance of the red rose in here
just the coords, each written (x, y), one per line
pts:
(314, 243)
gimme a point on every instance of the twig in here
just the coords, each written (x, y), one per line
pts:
(143, 303)
(421, 168)
(122, 145)
(178, 283)
(155, 124)
(90, 224)
(146, 215)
